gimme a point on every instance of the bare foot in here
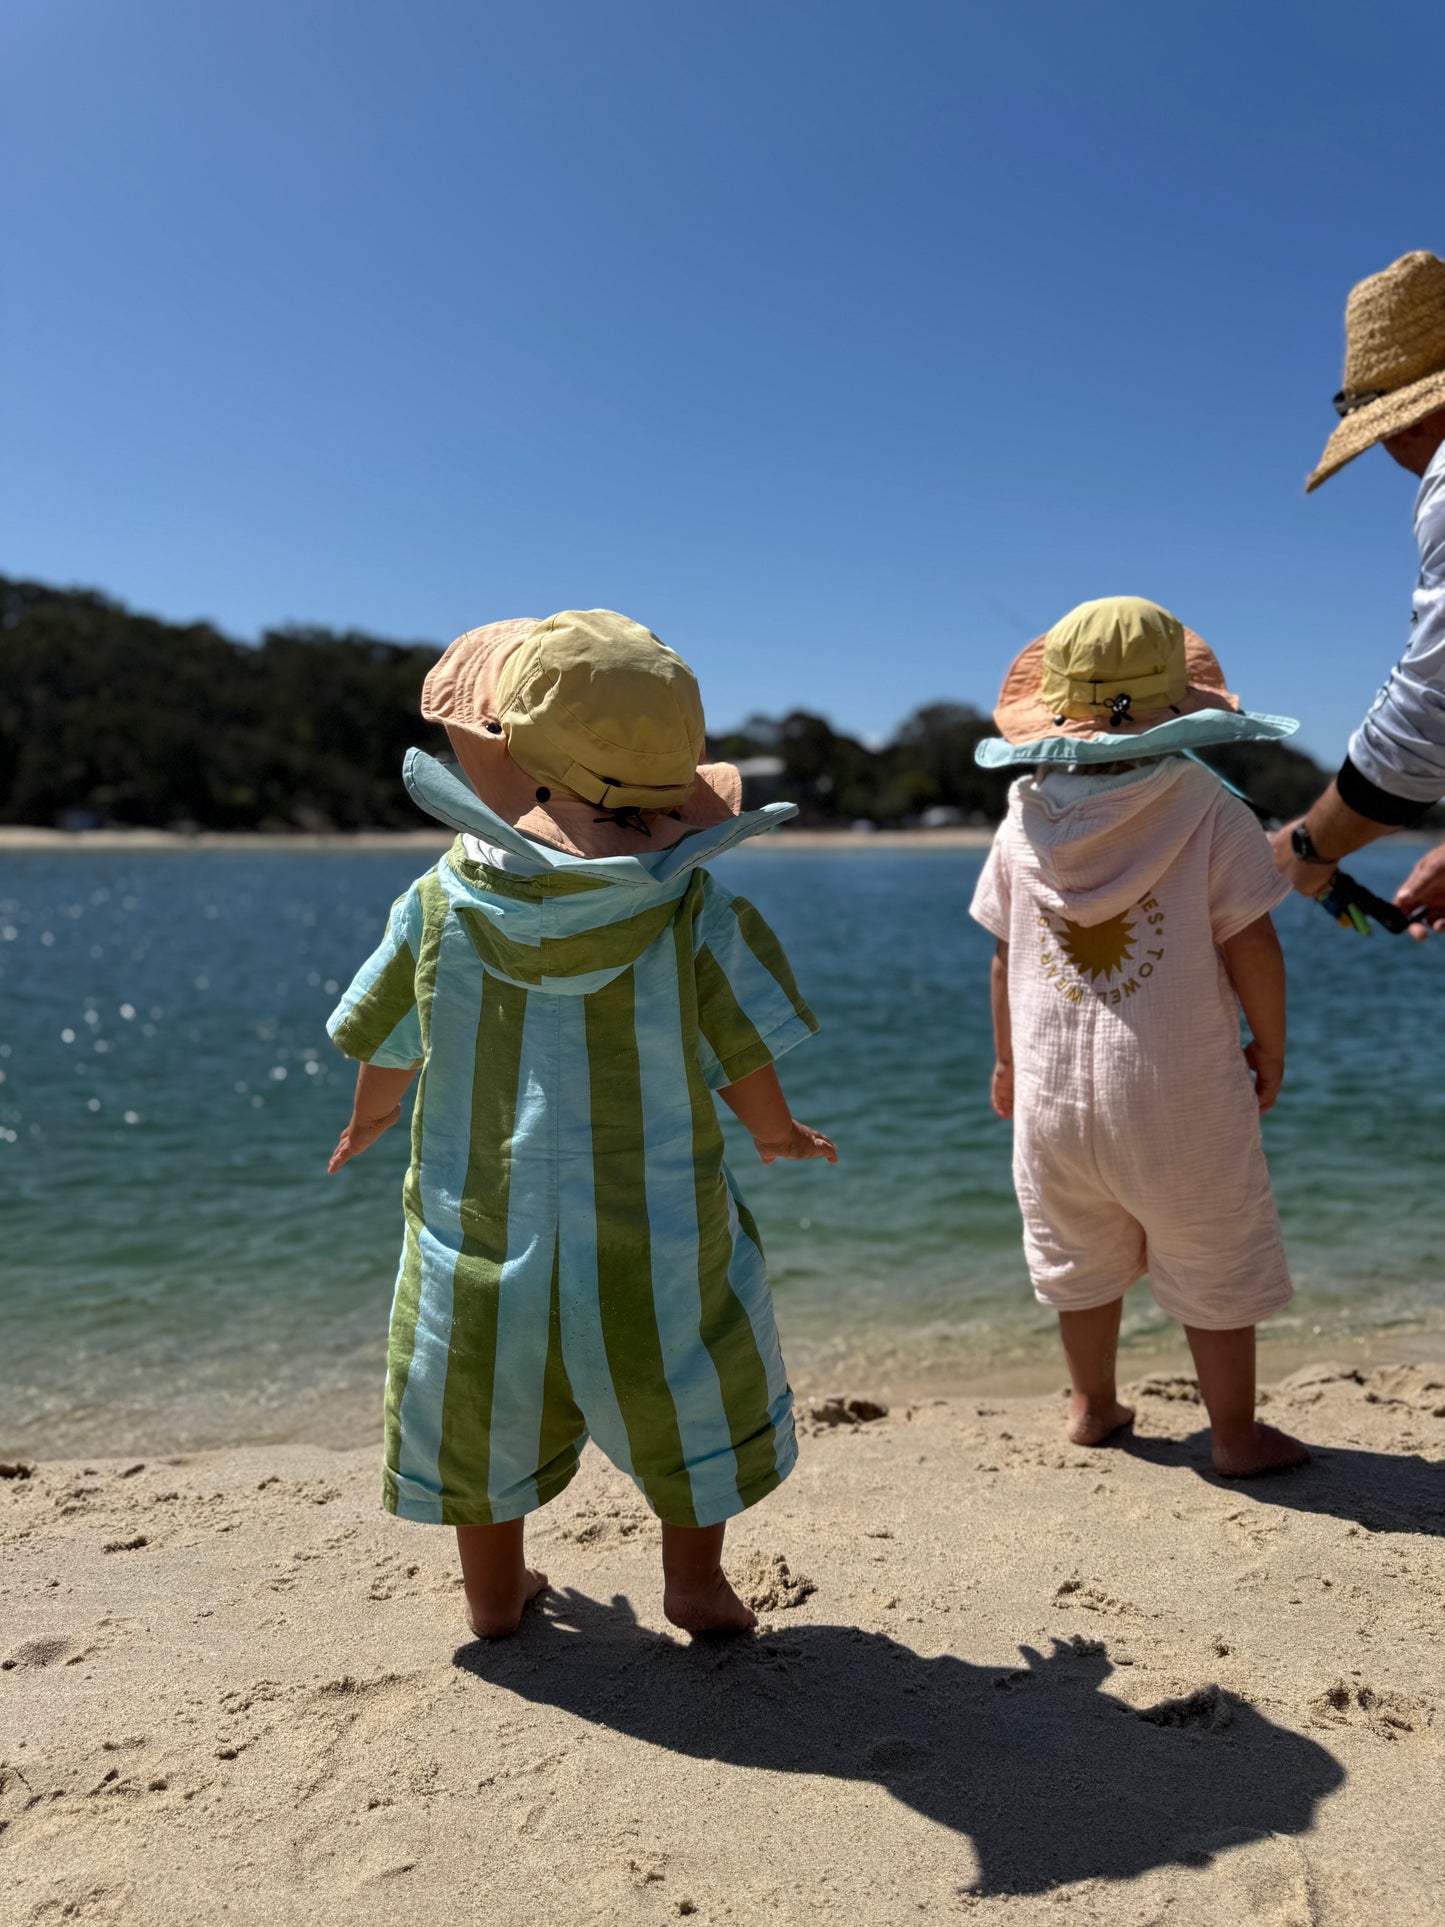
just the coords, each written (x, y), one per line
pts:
(1267, 1451)
(495, 1618)
(712, 1607)
(1091, 1425)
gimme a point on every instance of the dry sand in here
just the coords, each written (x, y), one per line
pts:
(997, 1676)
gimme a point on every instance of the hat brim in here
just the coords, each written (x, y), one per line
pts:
(460, 693)
(1390, 415)
(1207, 714)
(1022, 715)
(1202, 729)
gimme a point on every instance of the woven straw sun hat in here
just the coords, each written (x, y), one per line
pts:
(582, 731)
(1394, 358)
(1118, 679)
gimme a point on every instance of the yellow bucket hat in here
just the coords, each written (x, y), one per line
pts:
(587, 711)
(593, 703)
(1119, 677)
(1117, 647)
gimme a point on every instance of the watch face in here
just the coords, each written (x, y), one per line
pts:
(1301, 843)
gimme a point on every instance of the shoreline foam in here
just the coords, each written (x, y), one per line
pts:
(330, 1417)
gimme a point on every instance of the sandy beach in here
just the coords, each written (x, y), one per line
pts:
(996, 1676)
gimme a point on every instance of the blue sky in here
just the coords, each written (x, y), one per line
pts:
(847, 345)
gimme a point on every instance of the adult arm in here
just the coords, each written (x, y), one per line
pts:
(1395, 768)
(1336, 829)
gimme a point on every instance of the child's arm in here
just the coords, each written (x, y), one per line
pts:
(374, 1109)
(1255, 964)
(757, 1101)
(1001, 1089)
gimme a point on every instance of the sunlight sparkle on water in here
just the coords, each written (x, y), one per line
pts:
(211, 1238)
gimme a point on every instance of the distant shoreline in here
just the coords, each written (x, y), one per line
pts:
(26, 837)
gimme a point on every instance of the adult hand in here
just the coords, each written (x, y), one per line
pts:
(1310, 879)
(1424, 889)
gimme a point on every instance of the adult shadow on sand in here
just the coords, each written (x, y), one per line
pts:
(1051, 1778)
(1381, 1491)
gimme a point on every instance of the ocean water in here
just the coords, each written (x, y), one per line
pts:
(179, 1269)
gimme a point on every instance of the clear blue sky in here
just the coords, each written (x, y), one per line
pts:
(847, 345)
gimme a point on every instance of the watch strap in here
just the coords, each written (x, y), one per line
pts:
(1303, 845)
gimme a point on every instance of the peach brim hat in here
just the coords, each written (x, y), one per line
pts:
(469, 692)
(1118, 679)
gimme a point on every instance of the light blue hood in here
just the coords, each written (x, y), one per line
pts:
(1203, 729)
(444, 795)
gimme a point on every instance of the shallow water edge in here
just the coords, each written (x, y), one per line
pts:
(342, 1418)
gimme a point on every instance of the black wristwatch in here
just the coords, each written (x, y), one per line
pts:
(1303, 845)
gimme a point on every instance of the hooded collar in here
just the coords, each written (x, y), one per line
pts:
(442, 794)
(1098, 852)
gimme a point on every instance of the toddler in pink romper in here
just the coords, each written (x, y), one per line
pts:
(1131, 902)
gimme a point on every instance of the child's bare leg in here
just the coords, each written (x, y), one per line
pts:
(1224, 1362)
(695, 1591)
(1091, 1346)
(498, 1583)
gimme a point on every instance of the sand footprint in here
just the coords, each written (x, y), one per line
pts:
(1390, 1716)
(766, 1582)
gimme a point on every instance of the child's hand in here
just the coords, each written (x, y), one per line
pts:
(1001, 1090)
(802, 1141)
(1268, 1069)
(360, 1134)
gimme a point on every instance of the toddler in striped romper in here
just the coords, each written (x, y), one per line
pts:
(572, 986)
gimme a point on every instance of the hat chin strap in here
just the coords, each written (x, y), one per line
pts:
(610, 795)
(1082, 699)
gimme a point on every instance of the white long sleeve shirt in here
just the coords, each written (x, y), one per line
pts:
(1400, 746)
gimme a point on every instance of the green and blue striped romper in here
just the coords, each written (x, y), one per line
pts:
(577, 1261)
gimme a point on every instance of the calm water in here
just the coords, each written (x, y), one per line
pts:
(178, 1267)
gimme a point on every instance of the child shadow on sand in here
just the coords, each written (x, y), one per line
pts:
(1381, 1491)
(1051, 1778)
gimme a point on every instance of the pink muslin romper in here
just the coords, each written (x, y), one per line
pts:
(1136, 1131)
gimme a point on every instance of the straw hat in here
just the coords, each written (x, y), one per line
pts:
(1114, 680)
(583, 731)
(1394, 358)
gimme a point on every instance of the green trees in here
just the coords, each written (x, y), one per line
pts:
(111, 717)
(836, 779)
(115, 717)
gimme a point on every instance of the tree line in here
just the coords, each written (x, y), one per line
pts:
(109, 717)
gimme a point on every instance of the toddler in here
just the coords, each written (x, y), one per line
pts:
(572, 985)
(1130, 895)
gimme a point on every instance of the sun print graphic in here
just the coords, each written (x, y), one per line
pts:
(1098, 950)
